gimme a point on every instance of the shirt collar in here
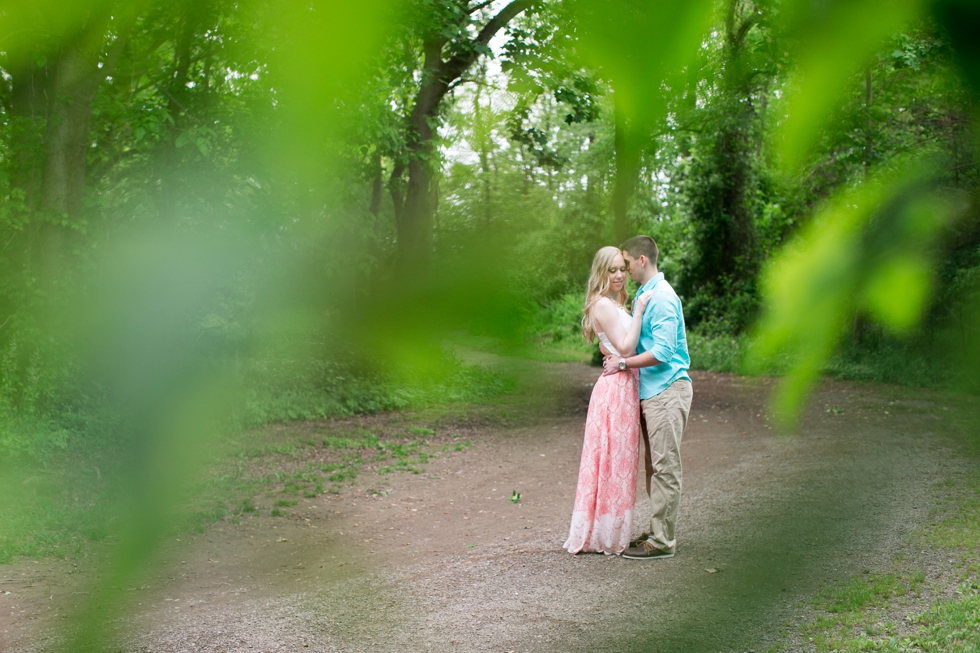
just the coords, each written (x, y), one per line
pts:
(651, 283)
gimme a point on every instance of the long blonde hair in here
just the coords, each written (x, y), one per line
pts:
(598, 286)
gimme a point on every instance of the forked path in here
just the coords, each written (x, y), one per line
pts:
(443, 561)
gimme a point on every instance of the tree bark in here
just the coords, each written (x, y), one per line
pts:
(396, 187)
(75, 82)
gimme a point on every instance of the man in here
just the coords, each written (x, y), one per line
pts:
(665, 395)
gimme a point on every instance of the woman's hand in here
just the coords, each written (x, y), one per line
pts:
(610, 365)
(641, 302)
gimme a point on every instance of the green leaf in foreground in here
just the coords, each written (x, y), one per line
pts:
(868, 252)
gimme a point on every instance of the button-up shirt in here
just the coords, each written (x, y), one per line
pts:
(663, 336)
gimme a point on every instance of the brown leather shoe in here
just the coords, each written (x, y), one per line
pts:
(646, 551)
(642, 538)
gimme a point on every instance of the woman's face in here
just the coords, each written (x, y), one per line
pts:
(617, 274)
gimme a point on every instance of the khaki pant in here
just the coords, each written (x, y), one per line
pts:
(664, 419)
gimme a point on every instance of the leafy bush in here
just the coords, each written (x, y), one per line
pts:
(722, 353)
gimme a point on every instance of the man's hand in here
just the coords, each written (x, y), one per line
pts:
(610, 365)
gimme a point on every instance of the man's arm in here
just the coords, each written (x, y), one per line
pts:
(666, 320)
(610, 364)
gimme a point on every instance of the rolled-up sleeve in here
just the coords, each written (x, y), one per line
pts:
(664, 322)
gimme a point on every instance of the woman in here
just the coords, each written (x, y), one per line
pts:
(603, 513)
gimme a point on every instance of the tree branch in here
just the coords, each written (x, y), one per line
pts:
(743, 30)
(444, 73)
(479, 6)
(458, 64)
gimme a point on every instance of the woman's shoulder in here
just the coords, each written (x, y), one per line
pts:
(604, 306)
(605, 310)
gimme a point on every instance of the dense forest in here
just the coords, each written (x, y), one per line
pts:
(287, 206)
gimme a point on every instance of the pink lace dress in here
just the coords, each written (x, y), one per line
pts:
(602, 518)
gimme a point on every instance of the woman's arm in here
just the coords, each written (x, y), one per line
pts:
(605, 314)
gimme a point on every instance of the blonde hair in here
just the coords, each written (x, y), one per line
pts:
(598, 286)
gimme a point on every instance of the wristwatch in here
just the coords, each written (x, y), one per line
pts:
(622, 364)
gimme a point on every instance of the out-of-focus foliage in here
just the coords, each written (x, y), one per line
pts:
(216, 214)
(872, 251)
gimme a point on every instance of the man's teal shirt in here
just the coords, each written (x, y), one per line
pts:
(662, 335)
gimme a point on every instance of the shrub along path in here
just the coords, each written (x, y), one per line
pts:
(443, 560)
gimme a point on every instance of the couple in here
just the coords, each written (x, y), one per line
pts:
(644, 388)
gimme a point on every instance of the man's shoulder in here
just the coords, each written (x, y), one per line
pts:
(664, 290)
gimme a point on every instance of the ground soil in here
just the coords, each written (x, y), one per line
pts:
(443, 561)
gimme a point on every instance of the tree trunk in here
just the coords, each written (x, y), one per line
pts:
(396, 184)
(414, 226)
(75, 84)
(29, 101)
(177, 101)
(868, 133)
(75, 76)
(377, 185)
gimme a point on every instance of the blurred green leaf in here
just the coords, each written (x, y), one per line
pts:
(868, 250)
(831, 42)
(640, 45)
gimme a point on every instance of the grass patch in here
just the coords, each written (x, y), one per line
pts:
(858, 615)
(255, 475)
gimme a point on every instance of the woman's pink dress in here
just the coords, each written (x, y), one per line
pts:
(602, 519)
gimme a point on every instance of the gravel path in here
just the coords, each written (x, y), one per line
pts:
(443, 562)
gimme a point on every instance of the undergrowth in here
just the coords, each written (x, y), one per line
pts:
(554, 334)
(59, 474)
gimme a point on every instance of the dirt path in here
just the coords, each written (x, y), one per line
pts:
(444, 562)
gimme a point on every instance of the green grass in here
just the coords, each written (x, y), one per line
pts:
(55, 511)
(959, 527)
(949, 626)
(235, 489)
(716, 354)
(852, 616)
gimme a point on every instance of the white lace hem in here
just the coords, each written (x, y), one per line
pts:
(609, 534)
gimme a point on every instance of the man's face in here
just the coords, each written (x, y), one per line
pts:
(634, 265)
